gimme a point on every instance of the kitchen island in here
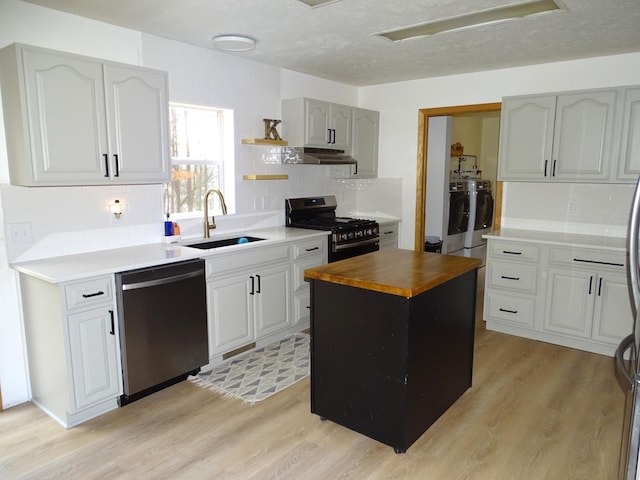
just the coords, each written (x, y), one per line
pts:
(391, 341)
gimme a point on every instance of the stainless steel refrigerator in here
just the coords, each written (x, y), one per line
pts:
(630, 369)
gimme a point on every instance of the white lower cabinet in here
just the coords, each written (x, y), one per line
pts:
(306, 254)
(259, 295)
(247, 296)
(388, 235)
(230, 313)
(73, 349)
(94, 360)
(582, 300)
(570, 305)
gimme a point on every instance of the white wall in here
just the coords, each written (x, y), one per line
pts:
(68, 220)
(400, 102)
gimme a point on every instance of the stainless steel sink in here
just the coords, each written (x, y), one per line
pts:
(224, 242)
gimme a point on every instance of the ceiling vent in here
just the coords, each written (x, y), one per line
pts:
(476, 19)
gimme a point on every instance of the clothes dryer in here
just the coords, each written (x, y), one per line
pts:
(480, 217)
(459, 211)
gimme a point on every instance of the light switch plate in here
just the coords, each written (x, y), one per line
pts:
(19, 233)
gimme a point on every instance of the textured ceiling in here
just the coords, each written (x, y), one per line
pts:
(336, 41)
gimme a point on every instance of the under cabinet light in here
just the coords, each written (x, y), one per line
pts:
(476, 19)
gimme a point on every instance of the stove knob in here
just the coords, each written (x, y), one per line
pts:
(350, 235)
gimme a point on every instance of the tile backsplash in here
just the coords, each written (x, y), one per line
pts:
(69, 220)
(597, 209)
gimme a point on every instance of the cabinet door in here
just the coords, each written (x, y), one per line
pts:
(629, 166)
(341, 118)
(583, 136)
(570, 298)
(137, 110)
(365, 142)
(526, 138)
(318, 121)
(613, 316)
(66, 114)
(229, 313)
(94, 357)
(271, 296)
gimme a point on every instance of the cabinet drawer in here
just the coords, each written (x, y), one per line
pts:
(515, 310)
(513, 276)
(581, 257)
(246, 259)
(514, 251)
(88, 292)
(312, 246)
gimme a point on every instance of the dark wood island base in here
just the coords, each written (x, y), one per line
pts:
(388, 358)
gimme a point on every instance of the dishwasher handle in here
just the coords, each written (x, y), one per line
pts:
(162, 281)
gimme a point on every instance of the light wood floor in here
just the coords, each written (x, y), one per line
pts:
(535, 411)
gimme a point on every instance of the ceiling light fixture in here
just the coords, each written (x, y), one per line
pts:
(318, 3)
(234, 43)
(476, 19)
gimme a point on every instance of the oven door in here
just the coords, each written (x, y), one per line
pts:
(342, 252)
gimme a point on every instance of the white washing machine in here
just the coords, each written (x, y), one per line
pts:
(480, 218)
(459, 212)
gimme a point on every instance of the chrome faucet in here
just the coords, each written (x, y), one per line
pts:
(210, 226)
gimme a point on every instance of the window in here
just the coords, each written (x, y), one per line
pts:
(201, 145)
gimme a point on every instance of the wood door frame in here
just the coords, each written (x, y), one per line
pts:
(421, 173)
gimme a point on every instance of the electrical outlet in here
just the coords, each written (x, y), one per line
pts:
(19, 233)
(571, 206)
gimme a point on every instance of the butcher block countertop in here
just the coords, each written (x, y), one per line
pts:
(405, 273)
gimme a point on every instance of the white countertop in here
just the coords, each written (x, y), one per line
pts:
(560, 238)
(84, 265)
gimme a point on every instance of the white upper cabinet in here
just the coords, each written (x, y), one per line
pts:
(365, 142)
(314, 123)
(137, 113)
(73, 120)
(629, 153)
(526, 137)
(567, 137)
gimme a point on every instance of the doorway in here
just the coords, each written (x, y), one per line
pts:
(421, 174)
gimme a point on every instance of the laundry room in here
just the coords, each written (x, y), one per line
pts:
(461, 179)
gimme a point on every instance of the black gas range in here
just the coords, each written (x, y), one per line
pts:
(348, 237)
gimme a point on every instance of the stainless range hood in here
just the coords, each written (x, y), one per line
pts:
(318, 156)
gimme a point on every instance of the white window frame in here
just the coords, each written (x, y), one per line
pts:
(227, 174)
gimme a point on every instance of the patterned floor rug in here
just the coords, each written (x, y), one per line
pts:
(260, 373)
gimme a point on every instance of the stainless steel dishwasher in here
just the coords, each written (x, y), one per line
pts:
(162, 315)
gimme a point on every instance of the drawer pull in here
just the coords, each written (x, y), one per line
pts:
(613, 264)
(389, 232)
(312, 249)
(96, 294)
(509, 252)
(510, 278)
(508, 311)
